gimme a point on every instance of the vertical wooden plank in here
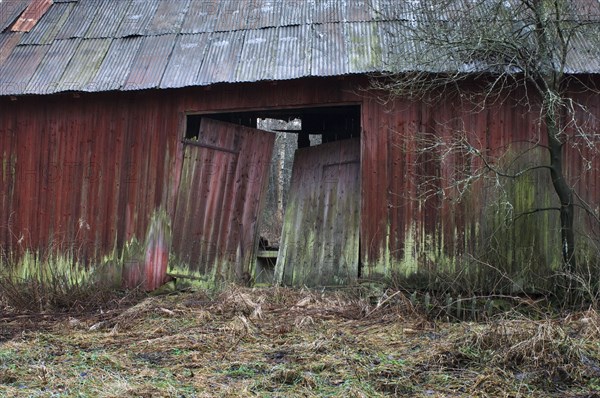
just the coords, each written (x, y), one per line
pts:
(219, 199)
(319, 243)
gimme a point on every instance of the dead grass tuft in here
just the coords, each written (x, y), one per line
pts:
(549, 351)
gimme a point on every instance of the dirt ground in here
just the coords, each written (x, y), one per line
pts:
(277, 342)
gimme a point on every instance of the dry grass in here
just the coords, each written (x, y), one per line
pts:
(278, 342)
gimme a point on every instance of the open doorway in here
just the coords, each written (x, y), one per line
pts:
(309, 222)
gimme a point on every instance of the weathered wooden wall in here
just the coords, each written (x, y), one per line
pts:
(435, 228)
(88, 172)
(83, 172)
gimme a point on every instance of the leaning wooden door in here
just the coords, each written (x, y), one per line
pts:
(221, 191)
(319, 243)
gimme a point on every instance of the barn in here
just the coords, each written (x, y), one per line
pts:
(130, 141)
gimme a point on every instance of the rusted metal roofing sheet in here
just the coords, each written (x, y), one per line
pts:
(16, 72)
(10, 11)
(46, 30)
(116, 65)
(32, 14)
(149, 65)
(84, 64)
(48, 74)
(186, 61)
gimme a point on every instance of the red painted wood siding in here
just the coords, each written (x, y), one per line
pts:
(429, 223)
(222, 188)
(88, 172)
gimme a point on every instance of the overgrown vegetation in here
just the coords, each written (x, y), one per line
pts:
(282, 342)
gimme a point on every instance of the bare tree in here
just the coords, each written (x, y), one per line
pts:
(485, 51)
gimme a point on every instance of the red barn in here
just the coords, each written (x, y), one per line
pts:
(117, 113)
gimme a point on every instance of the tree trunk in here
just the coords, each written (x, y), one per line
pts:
(281, 160)
(562, 189)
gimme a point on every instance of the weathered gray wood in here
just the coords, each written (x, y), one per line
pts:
(319, 243)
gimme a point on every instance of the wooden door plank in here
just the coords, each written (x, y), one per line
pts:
(220, 196)
(319, 243)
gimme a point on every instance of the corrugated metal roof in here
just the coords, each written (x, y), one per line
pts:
(233, 15)
(201, 17)
(186, 61)
(392, 50)
(293, 12)
(51, 68)
(364, 47)
(264, 15)
(46, 30)
(325, 11)
(16, 72)
(178, 43)
(80, 19)
(8, 41)
(149, 65)
(83, 65)
(108, 19)
(293, 52)
(32, 14)
(168, 17)
(10, 11)
(587, 58)
(116, 65)
(258, 56)
(329, 53)
(137, 17)
(222, 55)
(360, 11)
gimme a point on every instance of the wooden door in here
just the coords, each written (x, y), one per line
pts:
(222, 187)
(319, 243)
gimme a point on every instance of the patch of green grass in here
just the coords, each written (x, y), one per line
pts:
(241, 371)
